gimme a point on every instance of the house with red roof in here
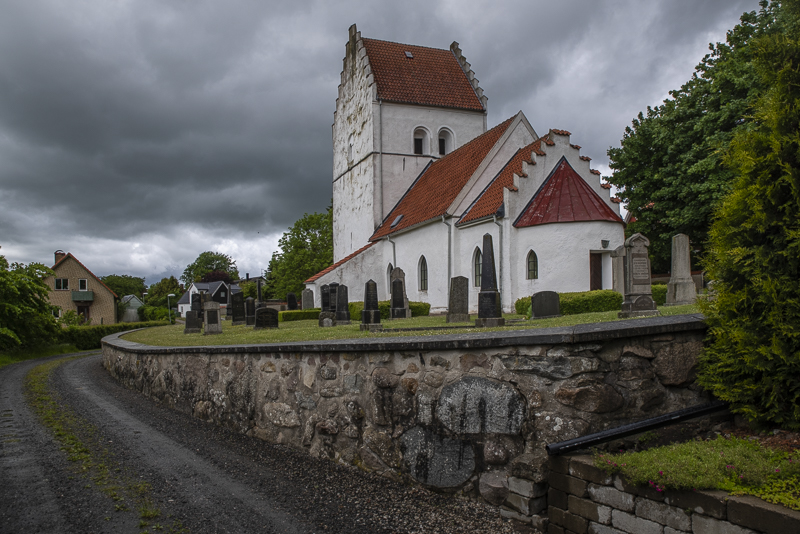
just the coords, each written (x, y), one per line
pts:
(74, 287)
(419, 178)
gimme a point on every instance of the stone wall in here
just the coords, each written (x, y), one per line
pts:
(468, 414)
(584, 499)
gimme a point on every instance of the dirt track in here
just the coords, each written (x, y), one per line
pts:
(203, 478)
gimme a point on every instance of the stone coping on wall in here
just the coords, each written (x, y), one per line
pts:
(583, 498)
(584, 333)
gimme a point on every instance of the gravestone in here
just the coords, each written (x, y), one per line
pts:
(266, 318)
(291, 301)
(250, 311)
(398, 274)
(342, 305)
(237, 308)
(307, 299)
(325, 296)
(371, 314)
(197, 306)
(333, 287)
(458, 304)
(490, 311)
(545, 304)
(681, 288)
(193, 323)
(638, 292)
(213, 320)
(326, 319)
(618, 269)
(397, 310)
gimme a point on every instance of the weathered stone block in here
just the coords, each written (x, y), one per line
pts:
(612, 497)
(383, 378)
(435, 460)
(595, 398)
(493, 487)
(476, 405)
(597, 528)
(558, 498)
(526, 488)
(572, 485)
(583, 467)
(560, 464)
(508, 513)
(663, 514)
(708, 525)
(567, 520)
(554, 367)
(589, 510)
(640, 491)
(630, 523)
(752, 512)
(706, 502)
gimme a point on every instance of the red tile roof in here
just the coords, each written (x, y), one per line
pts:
(560, 132)
(338, 263)
(440, 183)
(565, 197)
(433, 77)
(491, 198)
(69, 255)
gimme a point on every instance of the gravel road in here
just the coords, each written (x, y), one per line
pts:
(203, 478)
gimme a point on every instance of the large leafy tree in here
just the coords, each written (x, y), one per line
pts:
(26, 316)
(305, 249)
(669, 166)
(157, 293)
(753, 359)
(208, 262)
(124, 284)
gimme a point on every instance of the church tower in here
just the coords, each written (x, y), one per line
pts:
(399, 108)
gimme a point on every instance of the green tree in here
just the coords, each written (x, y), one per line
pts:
(157, 293)
(124, 284)
(668, 168)
(305, 250)
(207, 262)
(753, 356)
(26, 316)
(249, 289)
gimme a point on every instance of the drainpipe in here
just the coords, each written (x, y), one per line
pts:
(394, 251)
(449, 255)
(500, 255)
(380, 157)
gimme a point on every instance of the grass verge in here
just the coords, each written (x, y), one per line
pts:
(173, 336)
(7, 358)
(82, 444)
(738, 466)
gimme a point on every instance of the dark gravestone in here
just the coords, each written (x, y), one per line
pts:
(205, 298)
(545, 304)
(490, 311)
(258, 294)
(332, 289)
(327, 318)
(237, 308)
(193, 323)
(342, 305)
(250, 311)
(213, 320)
(397, 310)
(325, 295)
(638, 292)
(370, 315)
(398, 274)
(291, 301)
(266, 318)
(307, 299)
(197, 306)
(458, 305)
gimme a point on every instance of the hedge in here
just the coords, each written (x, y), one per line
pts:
(299, 315)
(660, 294)
(88, 337)
(418, 309)
(580, 302)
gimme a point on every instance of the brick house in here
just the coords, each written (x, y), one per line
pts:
(76, 288)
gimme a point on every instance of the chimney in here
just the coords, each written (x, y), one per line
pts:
(59, 255)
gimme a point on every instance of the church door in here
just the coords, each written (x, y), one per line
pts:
(595, 271)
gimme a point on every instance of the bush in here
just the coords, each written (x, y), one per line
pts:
(659, 294)
(523, 306)
(299, 315)
(418, 309)
(153, 313)
(88, 337)
(590, 301)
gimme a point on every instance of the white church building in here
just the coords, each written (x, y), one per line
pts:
(418, 179)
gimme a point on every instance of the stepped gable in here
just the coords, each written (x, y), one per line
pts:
(491, 199)
(565, 197)
(338, 263)
(440, 183)
(431, 77)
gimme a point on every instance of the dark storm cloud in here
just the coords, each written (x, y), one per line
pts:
(139, 134)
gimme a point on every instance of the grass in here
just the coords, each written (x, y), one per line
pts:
(173, 336)
(7, 358)
(738, 466)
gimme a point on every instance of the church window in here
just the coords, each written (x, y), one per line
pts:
(445, 141)
(533, 266)
(389, 278)
(420, 141)
(478, 267)
(423, 274)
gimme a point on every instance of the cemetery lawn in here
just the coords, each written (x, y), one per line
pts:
(173, 336)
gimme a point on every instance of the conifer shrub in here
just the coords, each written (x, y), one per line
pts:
(752, 358)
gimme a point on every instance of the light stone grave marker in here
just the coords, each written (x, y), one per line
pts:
(458, 302)
(680, 288)
(213, 323)
(307, 299)
(638, 292)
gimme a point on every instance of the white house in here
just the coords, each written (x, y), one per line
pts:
(418, 180)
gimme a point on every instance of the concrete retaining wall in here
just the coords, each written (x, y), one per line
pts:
(468, 414)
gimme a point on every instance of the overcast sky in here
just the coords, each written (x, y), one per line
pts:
(137, 134)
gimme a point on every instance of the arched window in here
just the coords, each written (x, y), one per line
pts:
(446, 143)
(423, 274)
(421, 144)
(478, 267)
(533, 266)
(389, 278)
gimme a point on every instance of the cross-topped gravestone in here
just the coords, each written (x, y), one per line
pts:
(193, 323)
(237, 308)
(458, 303)
(490, 311)
(333, 287)
(213, 322)
(250, 311)
(325, 296)
(371, 314)
(266, 318)
(291, 301)
(342, 305)
(398, 274)
(307, 299)
(638, 292)
(545, 304)
(681, 288)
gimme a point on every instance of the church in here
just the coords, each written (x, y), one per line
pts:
(419, 178)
